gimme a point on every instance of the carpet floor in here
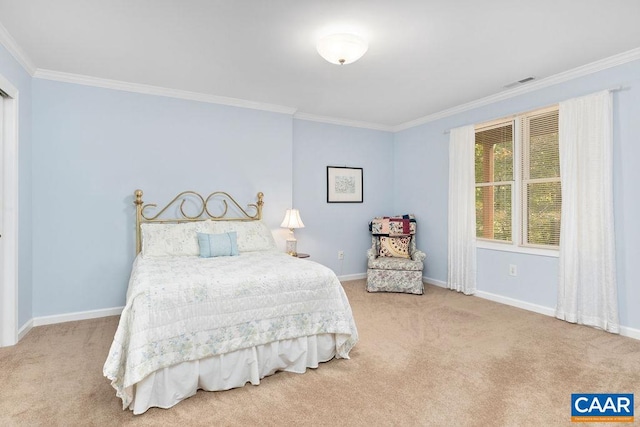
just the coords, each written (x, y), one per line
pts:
(440, 359)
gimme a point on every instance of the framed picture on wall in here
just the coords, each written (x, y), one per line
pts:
(344, 184)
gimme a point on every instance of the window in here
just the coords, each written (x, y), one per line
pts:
(517, 170)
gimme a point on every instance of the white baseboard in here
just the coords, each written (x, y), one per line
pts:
(67, 317)
(625, 331)
(348, 277)
(547, 311)
(435, 282)
(116, 311)
(24, 330)
(630, 332)
(79, 315)
(499, 298)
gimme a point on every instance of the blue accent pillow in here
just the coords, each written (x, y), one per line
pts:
(214, 245)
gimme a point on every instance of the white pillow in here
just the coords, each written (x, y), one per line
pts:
(165, 240)
(252, 235)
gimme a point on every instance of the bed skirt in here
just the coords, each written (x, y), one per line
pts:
(168, 386)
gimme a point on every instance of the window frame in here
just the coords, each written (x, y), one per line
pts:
(518, 218)
(494, 124)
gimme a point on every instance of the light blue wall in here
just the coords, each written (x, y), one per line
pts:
(93, 147)
(14, 73)
(424, 150)
(420, 177)
(330, 227)
(90, 148)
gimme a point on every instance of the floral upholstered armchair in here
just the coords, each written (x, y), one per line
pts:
(394, 263)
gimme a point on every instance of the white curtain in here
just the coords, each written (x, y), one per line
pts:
(587, 287)
(462, 212)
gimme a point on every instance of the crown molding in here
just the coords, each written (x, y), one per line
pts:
(158, 91)
(342, 122)
(10, 44)
(195, 96)
(593, 67)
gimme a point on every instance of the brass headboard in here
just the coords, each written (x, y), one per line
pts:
(202, 210)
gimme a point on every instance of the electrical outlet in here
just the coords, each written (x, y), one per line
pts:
(513, 270)
(340, 254)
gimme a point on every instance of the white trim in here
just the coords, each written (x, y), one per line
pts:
(518, 219)
(516, 303)
(612, 61)
(434, 282)
(78, 315)
(69, 317)
(625, 331)
(9, 229)
(158, 91)
(24, 330)
(342, 122)
(116, 311)
(348, 277)
(509, 247)
(10, 44)
(593, 67)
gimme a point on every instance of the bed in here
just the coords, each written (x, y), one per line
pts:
(212, 304)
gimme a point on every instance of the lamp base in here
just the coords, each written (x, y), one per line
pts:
(291, 247)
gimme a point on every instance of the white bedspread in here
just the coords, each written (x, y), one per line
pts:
(187, 308)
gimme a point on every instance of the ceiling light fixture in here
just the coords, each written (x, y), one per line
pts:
(342, 48)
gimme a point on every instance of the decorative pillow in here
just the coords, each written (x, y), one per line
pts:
(252, 235)
(397, 247)
(214, 245)
(400, 225)
(165, 240)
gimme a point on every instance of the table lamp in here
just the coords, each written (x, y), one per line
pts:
(292, 220)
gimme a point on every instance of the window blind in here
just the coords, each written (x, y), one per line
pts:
(542, 197)
(494, 181)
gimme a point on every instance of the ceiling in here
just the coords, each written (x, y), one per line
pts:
(424, 56)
